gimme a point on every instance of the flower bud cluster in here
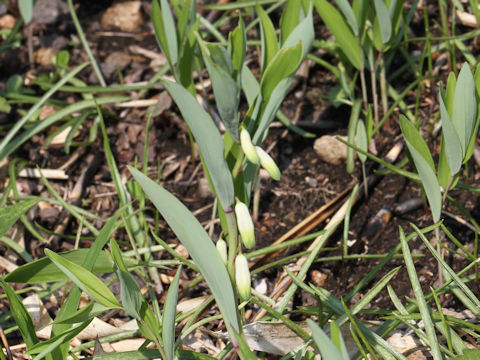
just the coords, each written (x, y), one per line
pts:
(255, 154)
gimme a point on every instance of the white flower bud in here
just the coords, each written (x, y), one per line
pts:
(242, 277)
(222, 250)
(245, 225)
(248, 147)
(268, 164)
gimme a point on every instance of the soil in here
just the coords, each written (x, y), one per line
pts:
(307, 182)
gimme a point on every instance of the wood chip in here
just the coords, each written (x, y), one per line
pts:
(53, 174)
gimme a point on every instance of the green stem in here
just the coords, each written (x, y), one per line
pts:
(232, 242)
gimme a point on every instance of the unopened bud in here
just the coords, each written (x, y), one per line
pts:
(242, 277)
(222, 250)
(248, 147)
(268, 164)
(245, 225)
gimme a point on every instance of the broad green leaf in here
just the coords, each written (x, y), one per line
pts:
(450, 93)
(21, 315)
(347, 42)
(327, 349)
(289, 19)
(453, 147)
(197, 242)
(165, 31)
(444, 173)
(86, 313)
(26, 9)
(168, 319)
(303, 32)
(150, 355)
(237, 41)
(268, 38)
(250, 85)
(361, 139)
(225, 88)
(46, 347)
(472, 142)
(208, 139)
(337, 340)
(85, 280)
(424, 164)
(382, 23)
(10, 214)
(464, 107)
(360, 9)
(129, 289)
(470, 354)
(283, 65)
(43, 270)
(348, 13)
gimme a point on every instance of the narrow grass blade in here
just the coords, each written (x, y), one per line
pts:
(21, 315)
(84, 314)
(7, 139)
(382, 18)
(10, 214)
(327, 349)
(208, 139)
(199, 245)
(6, 148)
(303, 32)
(451, 274)
(168, 320)
(422, 304)
(85, 280)
(165, 31)
(349, 15)
(337, 339)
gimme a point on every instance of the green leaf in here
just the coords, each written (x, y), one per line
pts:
(129, 289)
(21, 315)
(225, 88)
(348, 13)
(237, 41)
(86, 313)
(85, 280)
(10, 214)
(444, 173)
(43, 270)
(450, 93)
(424, 164)
(283, 65)
(470, 354)
(464, 107)
(347, 42)
(289, 19)
(169, 312)
(337, 339)
(150, 355)
(208, 139)
(4, 105)
(327, 349)
(268, 38)
(382, 18)
(165, 31)
(46, 347)
(303, 32)
(453, 147)
(26, 9)
(361, 139)
(197, 242)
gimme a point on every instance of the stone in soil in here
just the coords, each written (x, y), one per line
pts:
(330, 150)
(125, 16)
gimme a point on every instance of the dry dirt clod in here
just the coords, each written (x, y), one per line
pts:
(49, 11)
(125, 16)
(44, 56)
(7, 21)
(330, 150)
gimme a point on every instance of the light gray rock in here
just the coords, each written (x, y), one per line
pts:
(330, 149)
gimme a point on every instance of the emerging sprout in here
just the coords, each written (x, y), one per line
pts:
(222, 250)
(248, 147)
(242, 277)
(245, 225)
(268, 164)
